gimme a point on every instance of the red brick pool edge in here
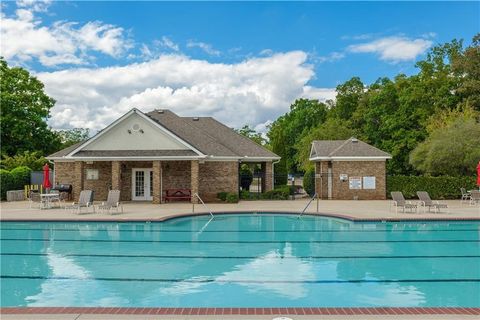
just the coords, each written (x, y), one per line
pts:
(243, 311)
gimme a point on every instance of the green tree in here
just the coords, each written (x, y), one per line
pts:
(250, 133)
(33, 160)
(72, 136)
(287, 130)
(348, 96)
(453, 149)
(24, 111)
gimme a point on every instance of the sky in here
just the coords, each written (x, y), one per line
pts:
(240, 62)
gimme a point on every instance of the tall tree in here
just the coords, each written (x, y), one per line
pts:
(250, 133)
(72, 136)
(24, 110)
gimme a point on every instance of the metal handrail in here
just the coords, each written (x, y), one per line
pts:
(308, 204)
(210, 211)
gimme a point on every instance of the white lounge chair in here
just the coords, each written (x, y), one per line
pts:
(399, 201)
(465, 195)
(113, 202)
(426, 201)
(84, 201)
(474, 197)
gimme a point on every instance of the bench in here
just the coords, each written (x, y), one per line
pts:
(177, 194)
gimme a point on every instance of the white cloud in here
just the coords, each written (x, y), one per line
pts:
(321, 94)
(331, 57)
(34, 5)
(166, 42)
(24, 38)
(253, 91)
(394, 49)
(207, 48)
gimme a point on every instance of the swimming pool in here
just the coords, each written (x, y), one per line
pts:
(241, 260)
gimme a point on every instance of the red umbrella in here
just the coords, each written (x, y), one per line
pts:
(478, 174)
(46, 177)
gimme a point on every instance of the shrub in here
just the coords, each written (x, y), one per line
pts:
(5, 183)
(20, 177)
(33, 160)
(232, 198)
(443, 187)
(222, 196)
(309, 181)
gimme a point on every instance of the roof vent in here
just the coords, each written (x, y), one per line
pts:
(354, 140)
(195, 118)
(160, 111)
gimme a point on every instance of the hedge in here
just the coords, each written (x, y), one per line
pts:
(279, 193)
(13, 180)
(309, 181)
(443, 187)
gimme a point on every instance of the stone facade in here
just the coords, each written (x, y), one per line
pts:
(268, 169)
(103, 184)
(65, 174)
(156, 183)
(217, 177)
(341, 189)
(194, 180)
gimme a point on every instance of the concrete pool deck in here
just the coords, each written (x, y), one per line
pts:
(349, 209)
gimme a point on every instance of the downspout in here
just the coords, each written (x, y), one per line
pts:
(273, 172)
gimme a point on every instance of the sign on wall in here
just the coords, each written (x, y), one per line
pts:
(355, 183)
(369, 183)
(92, 174)
(343, 177)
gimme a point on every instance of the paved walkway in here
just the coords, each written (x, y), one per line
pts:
(350, 209)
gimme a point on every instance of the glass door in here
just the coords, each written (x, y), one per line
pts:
(142, 184)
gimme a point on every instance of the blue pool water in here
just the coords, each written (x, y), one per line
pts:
(245, 260)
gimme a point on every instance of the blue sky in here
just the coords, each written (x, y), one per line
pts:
(299, 48)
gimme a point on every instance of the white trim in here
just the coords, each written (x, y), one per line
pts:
(146, 183)
(312, 148)
(365, 158)
(126, 115)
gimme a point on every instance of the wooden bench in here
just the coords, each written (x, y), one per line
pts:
(177, 194)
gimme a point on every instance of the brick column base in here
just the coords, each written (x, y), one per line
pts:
(78, 180)
(194, 176)
(156, 183)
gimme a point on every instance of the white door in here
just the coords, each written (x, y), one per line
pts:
(142, 181)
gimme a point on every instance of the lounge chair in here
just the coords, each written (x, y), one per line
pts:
(399, 201)
(85, 201)
(465, 195)
(474, 197)
(426, 201)
(113, 202)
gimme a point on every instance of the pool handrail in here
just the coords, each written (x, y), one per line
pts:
(308, 204)
(208, 209)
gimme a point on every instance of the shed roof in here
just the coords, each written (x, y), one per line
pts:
(345, 149)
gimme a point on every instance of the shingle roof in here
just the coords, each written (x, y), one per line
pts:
(205, 134)
(345, 148)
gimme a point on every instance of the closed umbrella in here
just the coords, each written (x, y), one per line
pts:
(46, 177)
(478, 174)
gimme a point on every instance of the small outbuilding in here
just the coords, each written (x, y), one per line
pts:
(349, 170)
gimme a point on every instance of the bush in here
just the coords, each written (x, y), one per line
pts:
(5, 183)
(309, 181)
(33, 160)
(232, 198)
(20, 177)
(280, 173)
(444, 187)
(222, 196)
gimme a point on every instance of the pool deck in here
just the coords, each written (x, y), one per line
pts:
(142, 211)
(350, 210)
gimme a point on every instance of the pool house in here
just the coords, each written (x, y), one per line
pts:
(151, 156)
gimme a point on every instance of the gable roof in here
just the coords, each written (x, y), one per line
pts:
(205, 138)
(350, 149)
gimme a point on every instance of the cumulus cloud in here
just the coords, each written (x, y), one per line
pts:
(25, 38)
(253, 91)
(207, 48)
(394, 49)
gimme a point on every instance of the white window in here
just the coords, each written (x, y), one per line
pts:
(92, 174)
(369, 183)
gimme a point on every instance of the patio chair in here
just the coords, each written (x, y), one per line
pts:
(85, 201)
(35, 199)
(399, 201)
(474, 197)
(465, 195)
(426, 201)
(113, 202)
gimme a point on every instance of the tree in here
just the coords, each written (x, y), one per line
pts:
(250, 133)
(348, 96)
(25, 109)
(452, 149)
(288, 129)
(72, 136)
(33, 160)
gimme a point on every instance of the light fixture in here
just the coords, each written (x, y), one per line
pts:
(141, 131)
(129, 131)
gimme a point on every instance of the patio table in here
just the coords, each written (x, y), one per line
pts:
(48, 198)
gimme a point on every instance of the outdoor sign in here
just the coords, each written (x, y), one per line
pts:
(369, 183)
(343, 177)
(355, 183)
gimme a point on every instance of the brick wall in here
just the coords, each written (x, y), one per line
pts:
(217, 177)
(126, 176)
(176, 175)
(360, 169)
(104, 182)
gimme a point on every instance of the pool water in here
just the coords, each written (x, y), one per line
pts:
(241, 260)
